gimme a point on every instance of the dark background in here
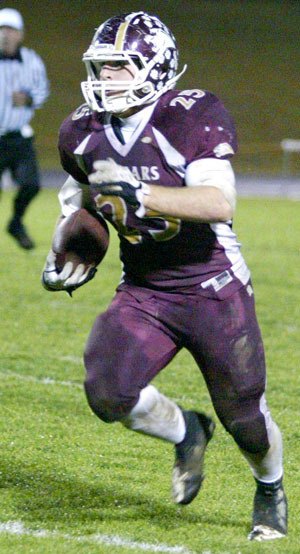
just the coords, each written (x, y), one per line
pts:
(246, 52)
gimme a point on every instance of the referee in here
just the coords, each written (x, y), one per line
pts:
(23, 88)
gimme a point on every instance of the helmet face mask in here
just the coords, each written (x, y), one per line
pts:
(145, 43)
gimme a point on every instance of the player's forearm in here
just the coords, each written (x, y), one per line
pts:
(204, 203)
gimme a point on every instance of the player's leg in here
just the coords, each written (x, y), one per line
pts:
(231, 356)
(125, 350)
(26, 174)
(127, 347)
(4, 159)
(154, 415)
(269, 520)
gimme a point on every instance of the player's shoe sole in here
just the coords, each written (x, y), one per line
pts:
(270, 513)
(189, 457)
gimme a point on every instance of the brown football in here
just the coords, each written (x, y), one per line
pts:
(81, 238)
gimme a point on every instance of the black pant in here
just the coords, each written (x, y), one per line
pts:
(17, 154)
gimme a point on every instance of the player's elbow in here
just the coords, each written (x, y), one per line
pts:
(226, 211)
(221, 208)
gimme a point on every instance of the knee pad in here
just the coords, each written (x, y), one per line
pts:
(107, 407)
(247, 421)
(250, 434)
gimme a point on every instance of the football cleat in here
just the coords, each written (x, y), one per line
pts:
(189, 457)
(270, 512)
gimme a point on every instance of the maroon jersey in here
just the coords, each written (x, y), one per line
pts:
(157, 251)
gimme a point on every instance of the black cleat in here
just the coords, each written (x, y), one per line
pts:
(270, 512)
(189, 457)
(19, 233)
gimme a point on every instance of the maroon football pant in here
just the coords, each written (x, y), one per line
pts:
(142, 331)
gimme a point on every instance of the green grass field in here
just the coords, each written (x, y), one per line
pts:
(71, 484)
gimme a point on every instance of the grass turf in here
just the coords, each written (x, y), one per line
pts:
(66, 473)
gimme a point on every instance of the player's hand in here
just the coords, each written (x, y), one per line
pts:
(69, 278)
(111, 179)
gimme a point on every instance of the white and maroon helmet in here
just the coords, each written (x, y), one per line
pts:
(141, 40)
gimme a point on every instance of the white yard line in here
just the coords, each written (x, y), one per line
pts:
(40, 381)
(19, 529)
(7, 374)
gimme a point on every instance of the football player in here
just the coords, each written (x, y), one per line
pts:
(155, 163)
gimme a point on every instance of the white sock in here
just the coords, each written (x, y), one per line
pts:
(156, 415)
(268, 467)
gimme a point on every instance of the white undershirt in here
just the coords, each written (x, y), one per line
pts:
(129, 124)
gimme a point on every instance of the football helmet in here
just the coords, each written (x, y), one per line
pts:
(144, 42)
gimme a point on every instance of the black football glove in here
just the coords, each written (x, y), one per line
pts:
(111, 179)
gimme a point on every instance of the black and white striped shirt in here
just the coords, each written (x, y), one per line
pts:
(28, 75)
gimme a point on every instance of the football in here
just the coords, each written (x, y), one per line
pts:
(81, 238)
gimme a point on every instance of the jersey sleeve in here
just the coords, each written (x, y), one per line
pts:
(214, 132)
(75, 192)
(197, 125)
(70, 135)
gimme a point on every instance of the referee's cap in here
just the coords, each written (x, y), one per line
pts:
(11, 18)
